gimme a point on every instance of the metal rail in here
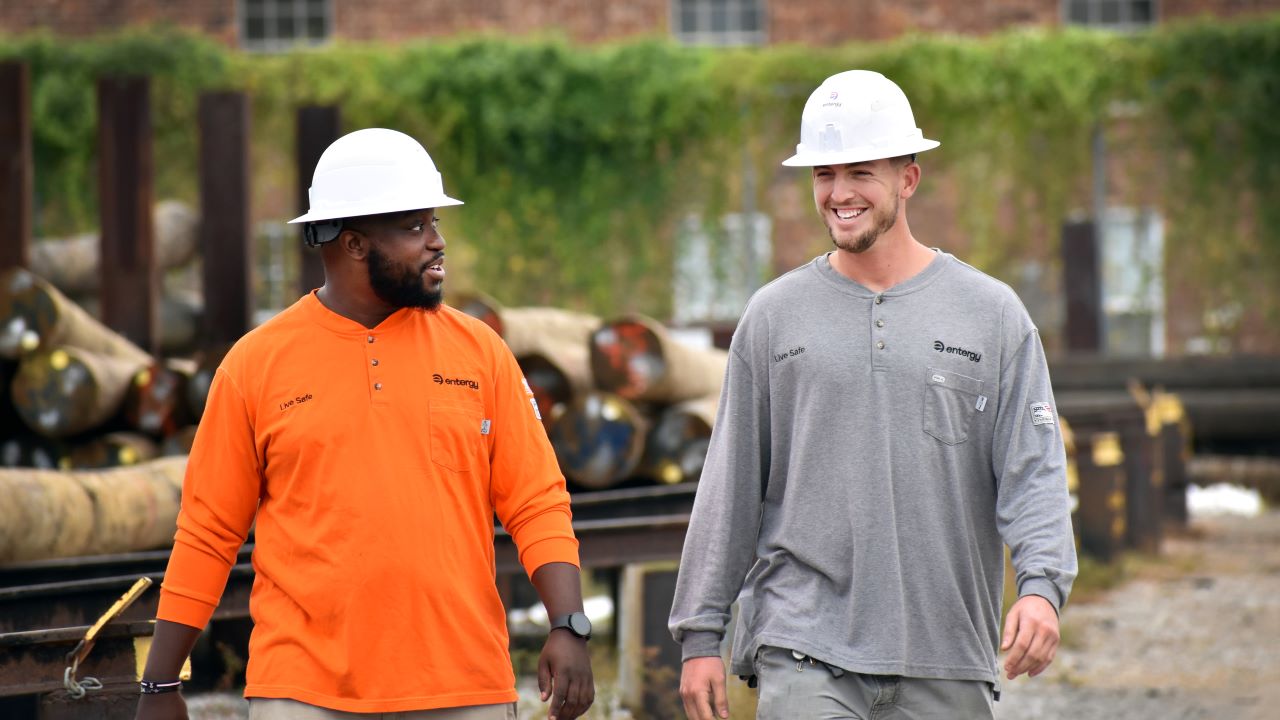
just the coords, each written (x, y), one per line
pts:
(47, 607)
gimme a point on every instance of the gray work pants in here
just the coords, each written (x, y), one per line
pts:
(792, 689)
(278, 709)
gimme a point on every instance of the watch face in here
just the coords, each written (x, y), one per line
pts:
(580, 624)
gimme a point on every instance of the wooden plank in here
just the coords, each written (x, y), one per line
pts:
(225, 236)
(318, 126)
(15, 165)
(130, 279)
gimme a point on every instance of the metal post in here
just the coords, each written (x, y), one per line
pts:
(15, 165)
(1144, 487)
(130, 279)
(1101, 518)
(318, 126)
(1083, 286)
(225, 239)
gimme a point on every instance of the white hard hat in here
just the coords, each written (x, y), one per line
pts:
(374, 171)
(857, 116)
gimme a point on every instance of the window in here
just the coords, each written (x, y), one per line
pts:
(270, 25)
(1110, 14)
(718, 22)
(715, 276)
(1132, 255)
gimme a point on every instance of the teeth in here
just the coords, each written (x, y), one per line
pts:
(848, 213)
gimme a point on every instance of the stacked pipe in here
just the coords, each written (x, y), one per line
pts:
(76, 394)
(86, 414)
(622, 401)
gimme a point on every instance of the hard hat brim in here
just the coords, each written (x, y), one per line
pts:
(371, 209)
(856, 155)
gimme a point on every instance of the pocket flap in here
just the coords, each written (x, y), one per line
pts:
(953, 380)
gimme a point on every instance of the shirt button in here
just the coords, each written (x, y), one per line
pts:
(880, 345)
(370, 338)
(377, 386)
(879, 299)
(879, 323)
(375, 362)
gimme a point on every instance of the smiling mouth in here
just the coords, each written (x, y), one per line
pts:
(849, 213)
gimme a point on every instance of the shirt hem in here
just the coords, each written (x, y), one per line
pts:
(423, 702)
(915, 670)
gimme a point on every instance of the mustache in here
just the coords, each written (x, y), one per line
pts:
(437, 258)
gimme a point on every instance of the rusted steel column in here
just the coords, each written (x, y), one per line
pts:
(15, 165)
(1144, 487)
(1175, 447)
(1082, 283)
(318, 127)
(130, 279)
(225, 237)
(1101, 517)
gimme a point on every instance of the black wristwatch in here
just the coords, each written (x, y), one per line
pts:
(577, 623)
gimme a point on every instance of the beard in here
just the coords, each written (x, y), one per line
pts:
(400, 287)
(881, 222)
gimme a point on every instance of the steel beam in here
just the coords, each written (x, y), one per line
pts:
(318, 126)
(225, 238)
(15, 165)
(130, 279)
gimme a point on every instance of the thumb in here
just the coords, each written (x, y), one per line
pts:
(1010, 629)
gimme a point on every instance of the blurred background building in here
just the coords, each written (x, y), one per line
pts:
(1147, 310)
(274, 24)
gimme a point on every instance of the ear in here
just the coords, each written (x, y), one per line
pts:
(354, 244)
(910, 180)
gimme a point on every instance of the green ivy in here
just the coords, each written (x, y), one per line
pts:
(578, 163)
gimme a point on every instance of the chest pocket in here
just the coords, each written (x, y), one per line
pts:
(950, 402)
(456, 439)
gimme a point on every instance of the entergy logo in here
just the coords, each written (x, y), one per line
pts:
(439, 379)
(952, 350)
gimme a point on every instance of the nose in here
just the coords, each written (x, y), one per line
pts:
(435, 241)
(842, 189)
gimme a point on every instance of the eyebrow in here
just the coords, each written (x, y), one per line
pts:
(863, 163)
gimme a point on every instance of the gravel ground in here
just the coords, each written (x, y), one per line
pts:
(1195, 635)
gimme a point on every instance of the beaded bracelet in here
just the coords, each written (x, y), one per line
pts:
(155, 688)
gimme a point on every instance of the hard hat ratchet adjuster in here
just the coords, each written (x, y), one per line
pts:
(321, 231)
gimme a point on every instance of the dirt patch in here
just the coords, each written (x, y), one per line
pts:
(1194, 634)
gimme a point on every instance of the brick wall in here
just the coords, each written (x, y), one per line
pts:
(77, 18)
(815, 22)
(831, 22)
(579, 20)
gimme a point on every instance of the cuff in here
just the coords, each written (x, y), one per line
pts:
(193, 585)
(1044, 588)
(184, 609)
(549, 550)
(700, 644)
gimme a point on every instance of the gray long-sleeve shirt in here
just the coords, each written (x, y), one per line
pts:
(872, 454)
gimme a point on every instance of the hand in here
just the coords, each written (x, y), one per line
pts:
(1030, 636)
(564, 675)
(702, 688)
(165, 706)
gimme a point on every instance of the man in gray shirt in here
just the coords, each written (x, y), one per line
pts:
(886, 427)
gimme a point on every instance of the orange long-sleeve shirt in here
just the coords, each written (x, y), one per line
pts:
(374, 461)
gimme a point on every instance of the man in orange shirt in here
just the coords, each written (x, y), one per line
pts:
(373, 433)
